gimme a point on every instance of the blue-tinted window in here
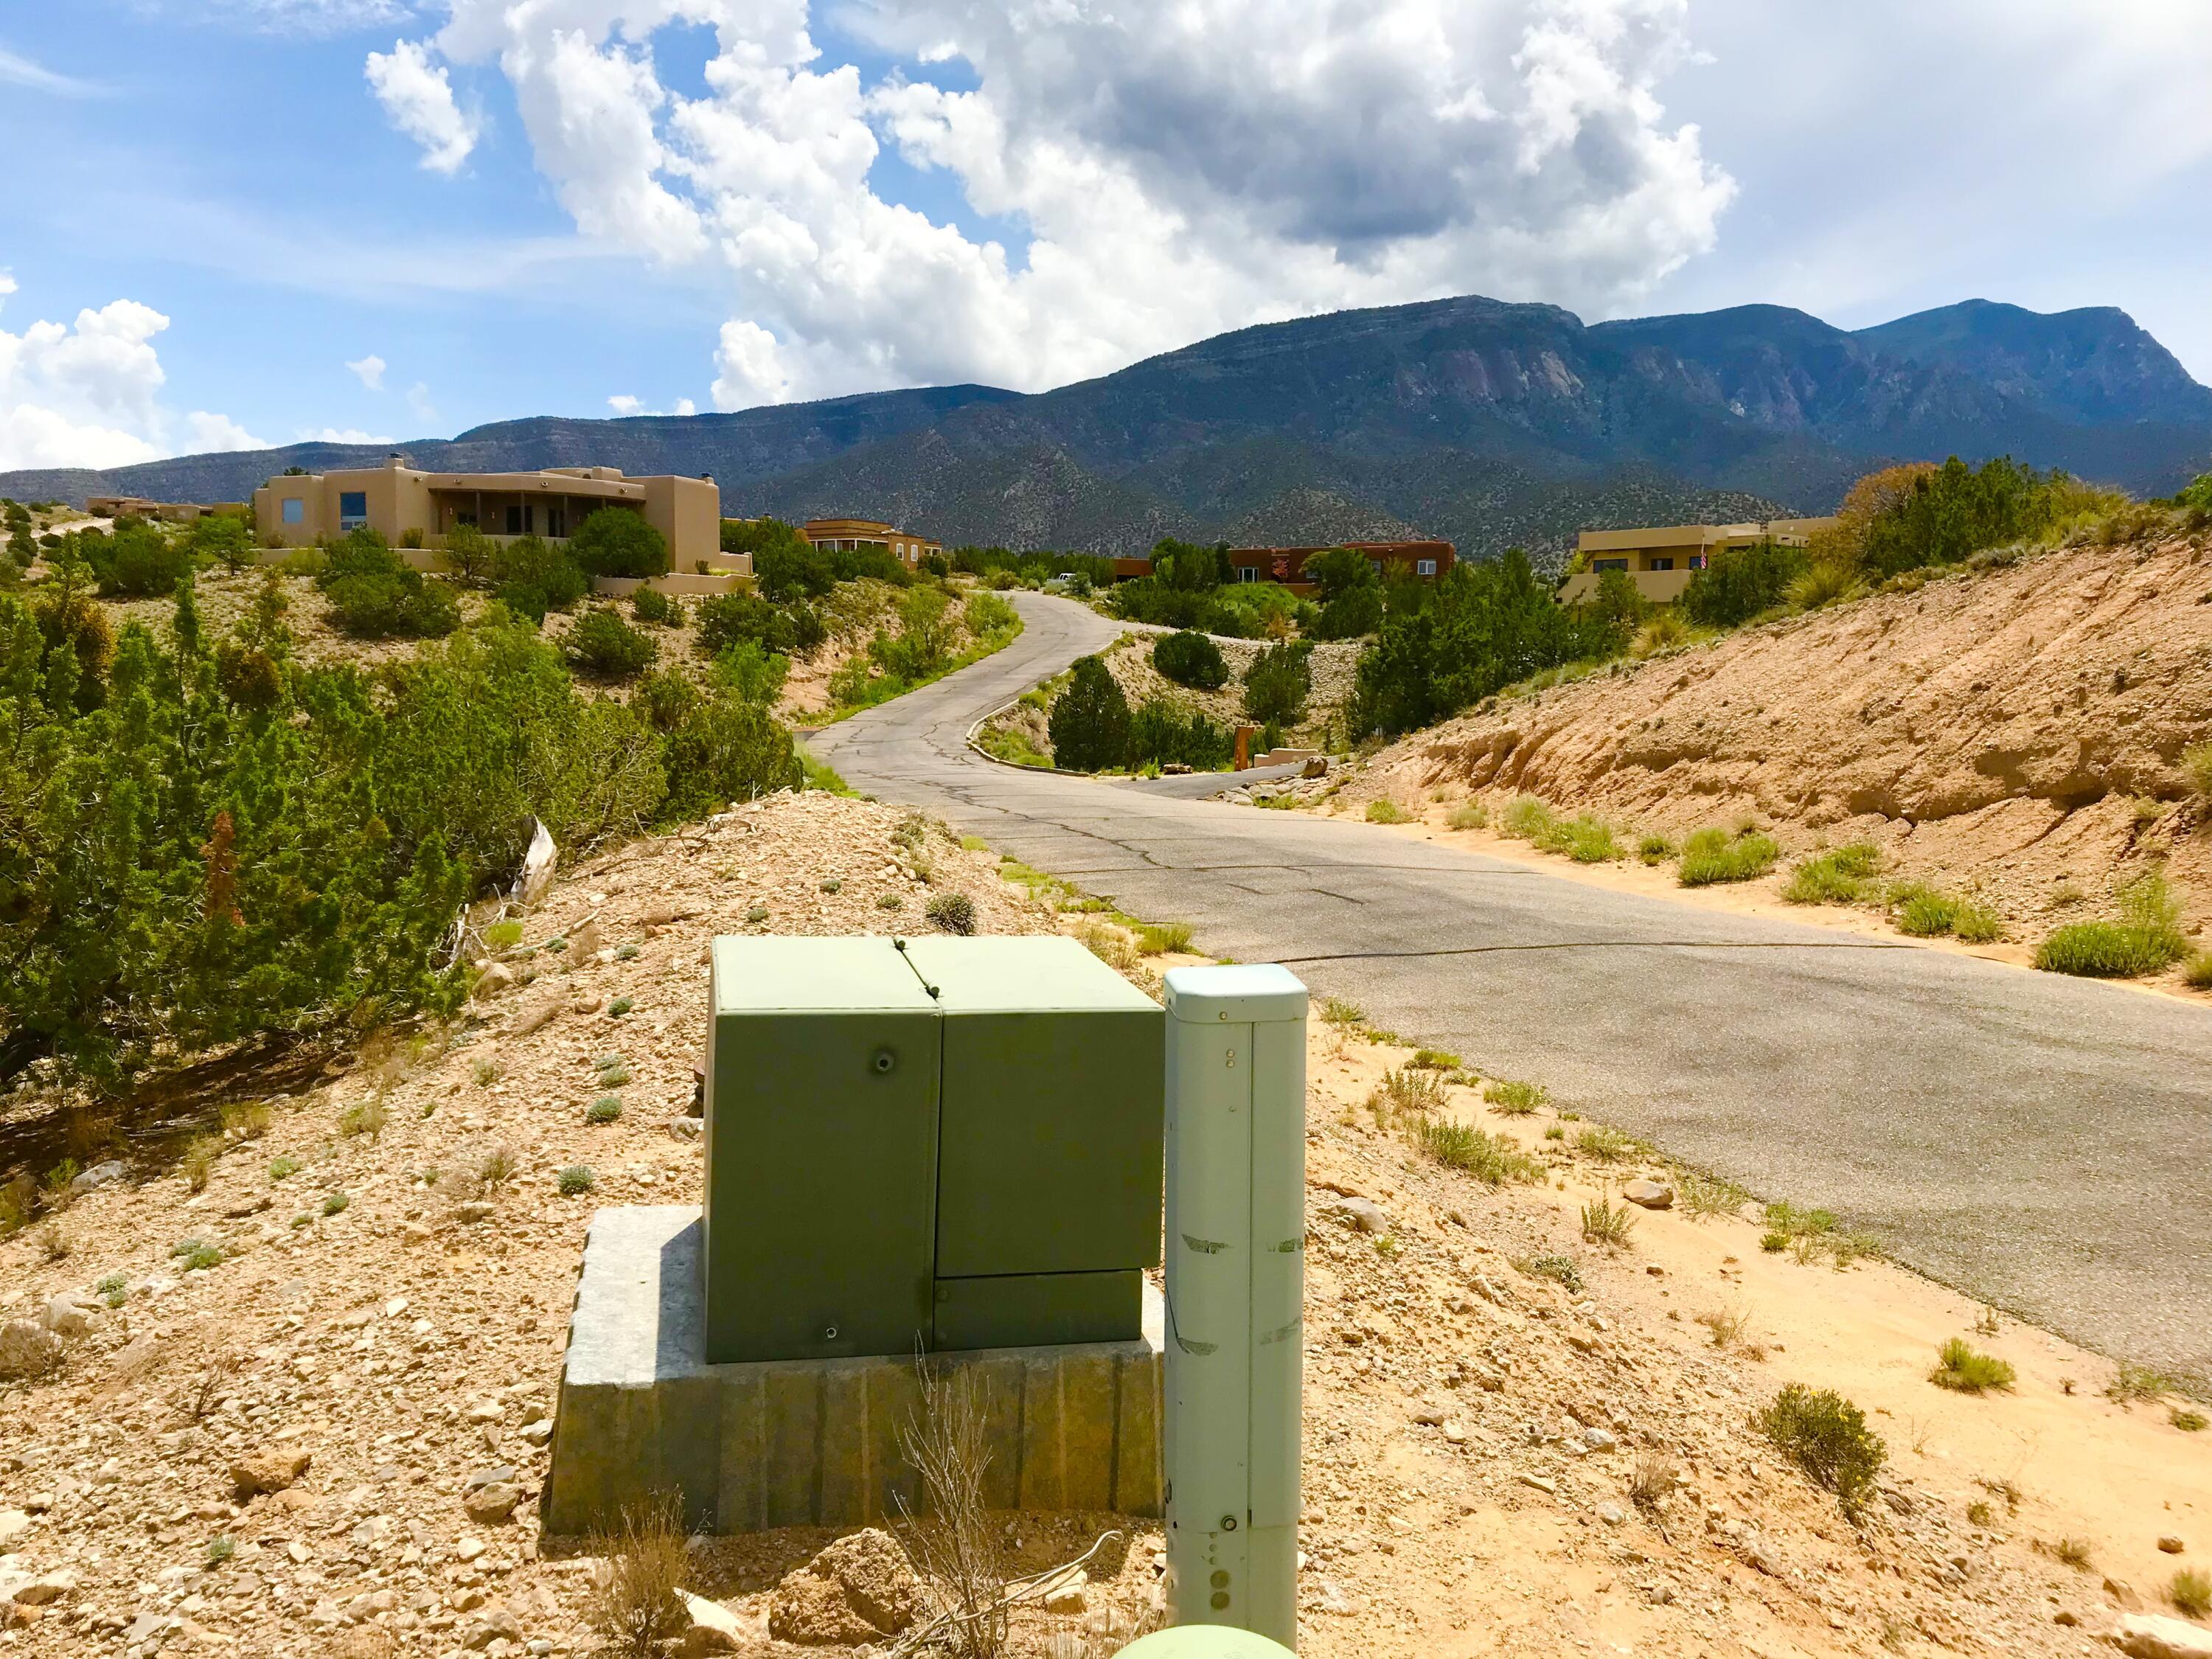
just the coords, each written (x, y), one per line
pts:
(353, 508)
(295, 510)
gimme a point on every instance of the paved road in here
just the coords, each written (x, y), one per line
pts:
(2043, 1143)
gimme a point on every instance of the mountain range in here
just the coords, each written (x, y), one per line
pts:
(1487, 422)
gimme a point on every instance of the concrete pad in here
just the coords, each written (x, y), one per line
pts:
(816, 1442)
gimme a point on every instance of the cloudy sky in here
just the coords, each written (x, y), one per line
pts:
(229, 223)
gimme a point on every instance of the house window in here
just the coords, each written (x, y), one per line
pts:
(1424, 566)
(353, 508)
(1248, 573)
(1667, 563)
(556, 521)
(1696, 561)
(294, 510)
(517, 518)
(1601, 565)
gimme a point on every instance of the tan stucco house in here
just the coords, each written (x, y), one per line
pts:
(1661, 561)
(850, 535)
(403, 503)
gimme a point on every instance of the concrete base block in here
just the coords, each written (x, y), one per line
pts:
(816, 1442)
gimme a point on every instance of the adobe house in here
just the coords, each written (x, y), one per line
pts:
(401, 503)
(1661, 562)
(851, 535)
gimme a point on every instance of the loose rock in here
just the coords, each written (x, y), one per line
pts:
(859, 1590)
(270, 1470)
(2153, 1636)
(1650, 1194)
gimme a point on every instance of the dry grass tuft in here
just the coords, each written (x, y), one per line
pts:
(636, 1607)
(952, 1543)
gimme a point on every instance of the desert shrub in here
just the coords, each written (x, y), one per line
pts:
(617, 541)
(785, 565)
(1738, 583)
(1653, 848)
(469, 553)
(1161, 735)
(1960, 1367)
(573, 1178)
(724, 749)
(636, 1605)
(604, 646)
(951, 913)
(607, 1109)
(2196, 974)
(658, 609)
(2146, 938)
(532, 576)
(1666, 631)
(1823, 582)
(1492, 1159)
(1090, 720)
(1607, 1224)
(1836, 877)
(1164, 938)
(1387, 811)
(1825, 1437)
(1939, 515)
(1279, 682)
(2197, 762)
(1191, 659)
(728, 619)
(1444, 645)
(1714, 856)
(987, 618)
(2191, 1592)
(1583, 838)
(1467, 815)
(1350, 593)
(138, 561)
(1516, 1099)
(373, 593)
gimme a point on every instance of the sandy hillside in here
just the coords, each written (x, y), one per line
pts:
(2017, 731)
(1495, 1462)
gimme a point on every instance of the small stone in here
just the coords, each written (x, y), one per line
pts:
(686, 1129)
(1612, 1514)
(497, 1622)
(28, 1349)
(468, 1549)
(2170, 1544)
(486, 1411)
(99, 1176)
(857, 1589)
(13, 1523)
(1333, 1600)
(1067, 1595)
(2153, 1636)
(476, 1209)
(66, 1317)
(2123, 1595)
(1456, 1433)
(493, 1503)
(495, 979)
(709, 1627)
(538, 1433)
(1549, 1488)
(1367, 1216)
(1650, 1194)
(1599, 1439)
(273, 1469)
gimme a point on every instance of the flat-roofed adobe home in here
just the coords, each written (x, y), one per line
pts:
(1424, 560)
(416, 509)
(1661, 561)
(851, 535)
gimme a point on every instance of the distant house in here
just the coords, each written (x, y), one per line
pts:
(1424, 560)
(851, 535)
(1661, 562)
(403, 503)
(137, 507)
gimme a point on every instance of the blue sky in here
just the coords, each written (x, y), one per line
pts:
(541, 205)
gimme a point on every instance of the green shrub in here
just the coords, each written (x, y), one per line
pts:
(1836, 877)
(987, 618)
(1827, 1436)
(333, 1203)
(655, 607)
(951, 913)
(1516, 1099)
(1467, 815)
(1492, 1159)
(281, 1166)
(1192, 659)
(1607, 1224)
(573, 1180)
(1713, 855)
(2146, 938)
(1388, 811)
(604, 646)
(730, 619)
(1279, 682)
(532, 577)
(1655, 849)
(1738, 583)
(617, 541)
(2197, 762)
(1090, 720)
(468, 552)
(606, 1108)
(1924, 912)
(620, 1006)
(1163, 939)
(1960, 1367)
(373, 593)
(138, 561)
(2191, 1592)
(1559, 1269)
(2197, 974)
(1159, 735)
(1950, 512)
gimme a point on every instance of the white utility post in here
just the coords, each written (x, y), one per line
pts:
(1235, 1270)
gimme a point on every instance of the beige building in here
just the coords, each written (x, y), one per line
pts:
(850, 535)
(1661, 562)
(403, 504)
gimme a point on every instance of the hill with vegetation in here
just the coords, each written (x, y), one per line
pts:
(1490, 423)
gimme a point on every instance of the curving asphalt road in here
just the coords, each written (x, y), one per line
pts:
(2042, 1143)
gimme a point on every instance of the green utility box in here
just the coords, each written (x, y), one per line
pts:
(943, 1143)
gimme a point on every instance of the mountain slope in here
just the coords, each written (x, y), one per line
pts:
(1485, 422)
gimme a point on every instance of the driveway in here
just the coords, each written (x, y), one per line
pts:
(2041, 1143)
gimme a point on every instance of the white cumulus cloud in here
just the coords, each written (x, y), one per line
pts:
(351, 435)
(88, 393)
(1175, 167)
(369, 371)
(417, 95)
(625, 405)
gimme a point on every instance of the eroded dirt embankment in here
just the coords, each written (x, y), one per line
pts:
(2018, 731)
